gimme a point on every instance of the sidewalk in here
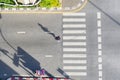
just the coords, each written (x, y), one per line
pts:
(67, 5)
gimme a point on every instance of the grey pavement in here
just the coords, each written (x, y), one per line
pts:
(70, 3)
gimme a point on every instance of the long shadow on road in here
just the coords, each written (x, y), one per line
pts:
(27, 60)
(63, 73)
(6, 71)
(46, 30)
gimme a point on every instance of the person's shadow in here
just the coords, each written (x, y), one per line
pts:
(49, 32)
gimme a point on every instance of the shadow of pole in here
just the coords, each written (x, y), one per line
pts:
(104, 12)
(0, 16)
(63, 73)
(7, 41)
(27, 60)
(48, 74)
(15, 56)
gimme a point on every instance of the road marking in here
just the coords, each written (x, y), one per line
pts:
(74, 61)
(99, 52)
(74, 43)
(6, 9)
(99, 39)
(100, 79)
(99, 23)
(74, 19)
(83, 0)
(14, 9)
(48, 55)
(74, 49)
(99, 46)
(75, 67)
(99, 31)
(74, 31)
(76, 73)
(74, 37)
(21, 8)
(21, 32)
(74, 25)
(74, 55)
(74, 14)
(44, 8)
(99, 59)
(100, 73)
(100, 66)
(98, 15)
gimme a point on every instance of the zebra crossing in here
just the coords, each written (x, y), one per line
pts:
(74, 44)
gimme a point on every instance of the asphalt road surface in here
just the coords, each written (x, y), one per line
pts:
(27, 43)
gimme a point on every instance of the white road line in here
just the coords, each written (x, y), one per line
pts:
(74, 37)
(100, 79)
(100, 66)
(48, 55)
(83, 0)
(100, 73)
(77, 73)
(74, 43)
(98, 15)
(21, 8)
(99, 52)
(21, 32)
(99, 46)
(74, 14)
(74, 67)
(74, 55)
(74, 61)
(74, 19)
(99, 31)
(100, 59)
(74, 31)
(74, 25)
(74, 49)
(99, 23)
(99, 39)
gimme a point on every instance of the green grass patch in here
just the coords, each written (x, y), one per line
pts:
(8, 2)
(49, 3)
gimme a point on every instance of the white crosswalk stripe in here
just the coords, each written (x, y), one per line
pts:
(74, 49)
(74, 44)
(75, 67)
(74, 55)
(74, 25)
(74, 31)
(75, 61)
(77, 73)
(74, 20)
(74, 14)
(74, 37)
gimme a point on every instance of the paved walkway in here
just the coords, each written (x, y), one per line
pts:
(67, 5)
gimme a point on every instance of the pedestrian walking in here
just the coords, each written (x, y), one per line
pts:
(57, 37)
